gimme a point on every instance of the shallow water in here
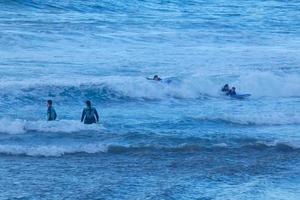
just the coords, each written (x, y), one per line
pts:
(176, 140)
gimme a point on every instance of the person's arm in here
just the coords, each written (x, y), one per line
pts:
(48, 114)
(97, 116)
(83, 115)
(55, 115)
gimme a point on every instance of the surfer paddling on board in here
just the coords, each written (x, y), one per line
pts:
(89, 114)
(225, 88)
(228, 91)
(232, 92)
(51, 113)
(155, 78)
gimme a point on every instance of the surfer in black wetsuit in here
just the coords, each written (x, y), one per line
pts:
(155, 78)
(89, 114)
(231, 92)
(51, 113)
(225, 88)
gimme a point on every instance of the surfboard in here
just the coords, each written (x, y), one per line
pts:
(165, 80)
(159, 81)
(240, 96)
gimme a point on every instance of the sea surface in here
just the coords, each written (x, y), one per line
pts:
(176, 139)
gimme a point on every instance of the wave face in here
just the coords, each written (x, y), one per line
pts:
(59, 150)
(126, 88)
(180, 138)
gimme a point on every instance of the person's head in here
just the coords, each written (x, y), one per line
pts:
(226, 86)
(49, 103)
(156, 77)
(88, 103)
(233, 88)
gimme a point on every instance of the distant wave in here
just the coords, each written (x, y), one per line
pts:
(252, 120)
(19, 126)
(93, 148)
(65, 6)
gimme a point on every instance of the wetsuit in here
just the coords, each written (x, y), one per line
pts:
(224, 89)
(153, 79)
(89, 115)
(51, 114)
(231, 93)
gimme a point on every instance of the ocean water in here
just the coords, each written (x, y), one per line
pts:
(156, 140)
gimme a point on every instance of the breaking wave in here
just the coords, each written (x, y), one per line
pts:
(120, 87)
(269, 84)
(19, 126)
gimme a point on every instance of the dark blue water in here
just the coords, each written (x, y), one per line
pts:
(176, 139)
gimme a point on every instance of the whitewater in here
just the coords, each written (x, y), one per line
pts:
(180, 138)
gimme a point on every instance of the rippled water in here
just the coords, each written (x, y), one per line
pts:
(176, 139)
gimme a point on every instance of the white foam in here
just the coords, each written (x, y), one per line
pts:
(18, 126)
(269, 84)
(12, 126)
(223, 145)
(51, 150)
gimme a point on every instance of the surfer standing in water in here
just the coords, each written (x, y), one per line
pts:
(51, 113)
(89, 114)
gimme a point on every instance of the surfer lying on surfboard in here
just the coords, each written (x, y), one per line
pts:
(225, 88)
(155, 78)
(228, 91)
(232, 93)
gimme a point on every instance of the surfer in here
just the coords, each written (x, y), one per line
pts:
(231, 92)
(89, 114)
(225, 88)
(51, 113)
(155, 78)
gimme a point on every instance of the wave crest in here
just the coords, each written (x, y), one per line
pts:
(94, 148)
(121, 87)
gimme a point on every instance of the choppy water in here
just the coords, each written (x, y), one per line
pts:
(182, 140)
